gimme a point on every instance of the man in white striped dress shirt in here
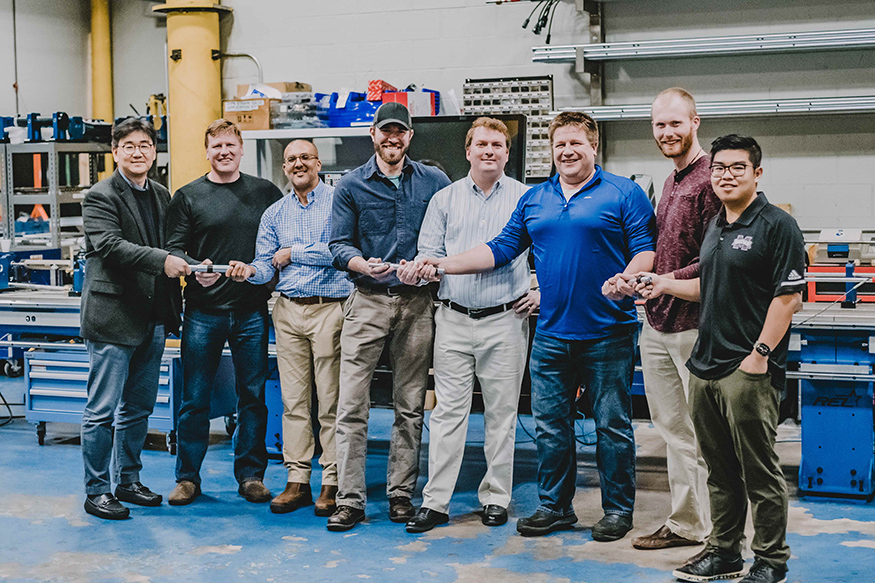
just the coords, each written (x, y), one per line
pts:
(481, 329)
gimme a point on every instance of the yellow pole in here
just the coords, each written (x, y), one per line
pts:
(195, 85)
(101, 69)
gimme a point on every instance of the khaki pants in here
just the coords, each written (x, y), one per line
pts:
(666, 385)
(308, 348)
(736, 420)
(494, 349)
(370, 319)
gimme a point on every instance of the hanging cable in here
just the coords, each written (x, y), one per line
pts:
(550, 26)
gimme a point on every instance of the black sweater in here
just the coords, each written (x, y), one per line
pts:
(206, 220)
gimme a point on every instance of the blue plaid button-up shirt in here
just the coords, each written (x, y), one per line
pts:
(305, 230)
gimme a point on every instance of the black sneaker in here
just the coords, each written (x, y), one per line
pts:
(611, 527)
(542, 522)
(711, 566)
(763, 572)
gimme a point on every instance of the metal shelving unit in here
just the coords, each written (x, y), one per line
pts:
(59, 156)
(752, 108)
(706, 46)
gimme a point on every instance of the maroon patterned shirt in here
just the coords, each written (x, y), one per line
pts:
(688, 202)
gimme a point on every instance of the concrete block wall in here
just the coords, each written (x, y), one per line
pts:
(52, 56)
(823, 165)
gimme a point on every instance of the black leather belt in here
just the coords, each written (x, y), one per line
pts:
(477, 313)
(309, 301)
(395, 290)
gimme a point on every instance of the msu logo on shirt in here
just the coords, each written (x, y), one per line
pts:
(743, 242)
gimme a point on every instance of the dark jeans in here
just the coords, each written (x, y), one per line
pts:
(122, 387)
(604, 367)
(736, 421)
(203, 337)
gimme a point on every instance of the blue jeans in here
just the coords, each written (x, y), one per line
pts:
(203, 338)
(122, 387)
(604, 367)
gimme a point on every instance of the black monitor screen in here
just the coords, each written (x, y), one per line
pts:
(441, 139)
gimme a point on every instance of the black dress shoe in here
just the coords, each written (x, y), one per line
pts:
(494, 515)
(137, 493)
(426, 519)
(106, 506)
(344, 518)
(611, 527)
(542, 522)
(401, 509)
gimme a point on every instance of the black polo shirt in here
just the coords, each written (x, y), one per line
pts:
(743, 266)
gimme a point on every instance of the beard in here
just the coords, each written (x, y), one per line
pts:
(390, 156)
(677, 150)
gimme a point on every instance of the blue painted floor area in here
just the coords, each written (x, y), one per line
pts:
(46, 536)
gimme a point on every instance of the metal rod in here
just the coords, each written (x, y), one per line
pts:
(209, 268)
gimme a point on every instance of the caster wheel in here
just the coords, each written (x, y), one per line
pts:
(12, 368)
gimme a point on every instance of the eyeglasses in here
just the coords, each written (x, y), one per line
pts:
(303, 158)
(129, 148)
(737, 170)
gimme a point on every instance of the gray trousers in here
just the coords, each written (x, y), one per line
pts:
(370, 319)
(736, 420)
(122, 387)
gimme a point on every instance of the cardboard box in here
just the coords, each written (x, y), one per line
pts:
(417, 102)
(376, 88)
(248, 114)
(283, 87)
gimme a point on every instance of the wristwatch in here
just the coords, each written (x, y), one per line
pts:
(762, 348)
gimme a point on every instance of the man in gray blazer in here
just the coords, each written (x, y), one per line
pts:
(129, 302)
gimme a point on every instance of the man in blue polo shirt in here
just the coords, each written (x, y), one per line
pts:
(584, 225)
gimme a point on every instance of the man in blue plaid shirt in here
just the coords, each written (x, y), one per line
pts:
(307, 318)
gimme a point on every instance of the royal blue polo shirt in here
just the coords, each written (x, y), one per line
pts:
(577, 245)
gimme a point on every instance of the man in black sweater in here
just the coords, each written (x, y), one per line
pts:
(215, 219)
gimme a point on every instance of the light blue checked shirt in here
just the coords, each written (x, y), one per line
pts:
(305, 230)
(459, 218)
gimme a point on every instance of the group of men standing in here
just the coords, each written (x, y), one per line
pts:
(394, 225)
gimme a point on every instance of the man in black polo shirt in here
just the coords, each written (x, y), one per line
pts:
(750, 284)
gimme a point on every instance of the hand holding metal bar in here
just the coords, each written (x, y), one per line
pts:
(440, 270)
(209, 268)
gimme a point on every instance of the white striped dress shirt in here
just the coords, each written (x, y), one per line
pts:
(459, 218)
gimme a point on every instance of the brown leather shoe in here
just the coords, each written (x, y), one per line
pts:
(184, 493)
(254, 491)
(293, 497)
(663, 538)
(325, 503)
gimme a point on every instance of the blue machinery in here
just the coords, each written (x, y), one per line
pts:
(836, 354)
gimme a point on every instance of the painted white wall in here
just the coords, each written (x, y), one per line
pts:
(52, 56)
(823, 165)
(138, 63)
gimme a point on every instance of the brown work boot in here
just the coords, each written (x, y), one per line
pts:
(184, 493)
(293, 497)
(254, 491)
(325, 504)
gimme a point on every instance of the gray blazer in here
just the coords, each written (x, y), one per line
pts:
(121, 268)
